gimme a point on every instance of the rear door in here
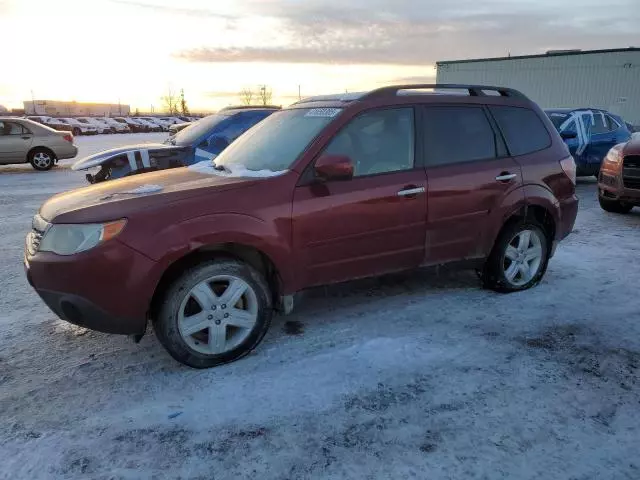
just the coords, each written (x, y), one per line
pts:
(603, 137)
(15, 142)
(469, 175)
(373, 223)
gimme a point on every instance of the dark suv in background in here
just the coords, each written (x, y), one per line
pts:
(330, 189)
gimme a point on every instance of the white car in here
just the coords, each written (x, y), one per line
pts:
(101, 126)
(153, 127)
(79, 128)
(119, 126)
(171, 120)
(157, 121)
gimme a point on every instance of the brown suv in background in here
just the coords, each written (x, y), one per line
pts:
(619, 178)
(330, 189)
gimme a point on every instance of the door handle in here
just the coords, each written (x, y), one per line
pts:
(411, 191)
(26, 137)
(506, 176)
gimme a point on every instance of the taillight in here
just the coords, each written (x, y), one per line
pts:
(569, 167)
(68, 137)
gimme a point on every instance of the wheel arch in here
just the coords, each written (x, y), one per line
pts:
(33, 150)
(251, 255)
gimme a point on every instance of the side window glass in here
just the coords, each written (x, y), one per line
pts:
(598, 124)
(522, 128)
(457, 134)
(233, 128)
(3, 129)
(611, 124)
(571, 127)
(379, 141)
(10, 128)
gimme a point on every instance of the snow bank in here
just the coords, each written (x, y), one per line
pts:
(208, 167)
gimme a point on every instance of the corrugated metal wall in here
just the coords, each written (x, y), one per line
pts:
(600, 80)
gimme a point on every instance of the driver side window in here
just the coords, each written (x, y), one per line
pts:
(378, 141)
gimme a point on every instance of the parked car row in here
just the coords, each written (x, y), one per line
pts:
(103, 125)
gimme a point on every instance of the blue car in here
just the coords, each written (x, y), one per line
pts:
(203, 140)
(589, 133)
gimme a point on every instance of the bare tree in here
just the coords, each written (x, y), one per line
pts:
(265, 94)
(183, 103)
(246, 96)
(170, 102)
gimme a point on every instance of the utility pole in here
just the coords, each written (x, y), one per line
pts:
(33, 103)
(119, 107)
(299, 94)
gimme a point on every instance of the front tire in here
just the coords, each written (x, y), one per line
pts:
(214, 313)
(614, 206)
(76, 132)
(41, 159)
(519, 258)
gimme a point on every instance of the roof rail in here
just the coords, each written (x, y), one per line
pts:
(247, 107)
(474, 90)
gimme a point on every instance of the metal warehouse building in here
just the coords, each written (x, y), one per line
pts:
(607, 79)
(57, 108)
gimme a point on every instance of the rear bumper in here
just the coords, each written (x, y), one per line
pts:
(66, 152)
(568, 213)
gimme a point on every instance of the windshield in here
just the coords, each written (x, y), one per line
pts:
(557, 118)
(193, 132)
(276, 142)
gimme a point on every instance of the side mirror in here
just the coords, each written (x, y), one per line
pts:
(568, 135)
(334, 167)
(217, 143)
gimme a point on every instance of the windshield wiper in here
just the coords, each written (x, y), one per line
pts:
(220, 168)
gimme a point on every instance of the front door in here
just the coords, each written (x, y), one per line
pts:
(469, 175)
(372, 223)
(15, 142)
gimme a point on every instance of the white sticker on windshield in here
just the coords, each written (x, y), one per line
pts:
(323, 112)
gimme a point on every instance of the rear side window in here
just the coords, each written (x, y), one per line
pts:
(457, 134)
(523, 130)
(612, 124)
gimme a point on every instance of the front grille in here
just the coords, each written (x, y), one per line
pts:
(631, 172)
(608, 180)
(38, 228)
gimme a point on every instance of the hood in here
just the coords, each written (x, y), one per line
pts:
(632, 147)
(101, 157)
(118, 198)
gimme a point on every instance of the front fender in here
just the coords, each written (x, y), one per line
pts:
(179, 240)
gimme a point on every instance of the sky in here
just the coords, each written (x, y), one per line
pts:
(134, 51)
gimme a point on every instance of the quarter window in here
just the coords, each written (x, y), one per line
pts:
(612, 124)
(457, 134)
(379, 141)
(523, 130)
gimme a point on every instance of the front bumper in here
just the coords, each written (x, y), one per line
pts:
(107, 289)
(610, 186)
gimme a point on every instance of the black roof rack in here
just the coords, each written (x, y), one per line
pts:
(473, 90)
(249, 107)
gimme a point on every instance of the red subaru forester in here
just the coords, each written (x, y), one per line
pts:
(330, 189)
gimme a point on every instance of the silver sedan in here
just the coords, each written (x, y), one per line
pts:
(23, 141)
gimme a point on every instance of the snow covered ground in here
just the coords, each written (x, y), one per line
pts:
(418, 375)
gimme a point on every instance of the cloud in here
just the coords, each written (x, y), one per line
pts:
(413, 32)
(173, 9)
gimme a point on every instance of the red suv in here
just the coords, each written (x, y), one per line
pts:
(330, 189)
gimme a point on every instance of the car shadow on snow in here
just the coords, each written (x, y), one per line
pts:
(87, 351)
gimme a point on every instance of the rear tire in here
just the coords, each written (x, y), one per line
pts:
(41, 159)
(76, 132)
(519, 258)
(214, 313)
(614, 206)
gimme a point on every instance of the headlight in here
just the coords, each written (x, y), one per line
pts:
(67, 239)
(614, 157)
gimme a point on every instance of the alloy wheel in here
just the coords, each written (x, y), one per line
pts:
(42, 160)
(218, 314)
(523, 257)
